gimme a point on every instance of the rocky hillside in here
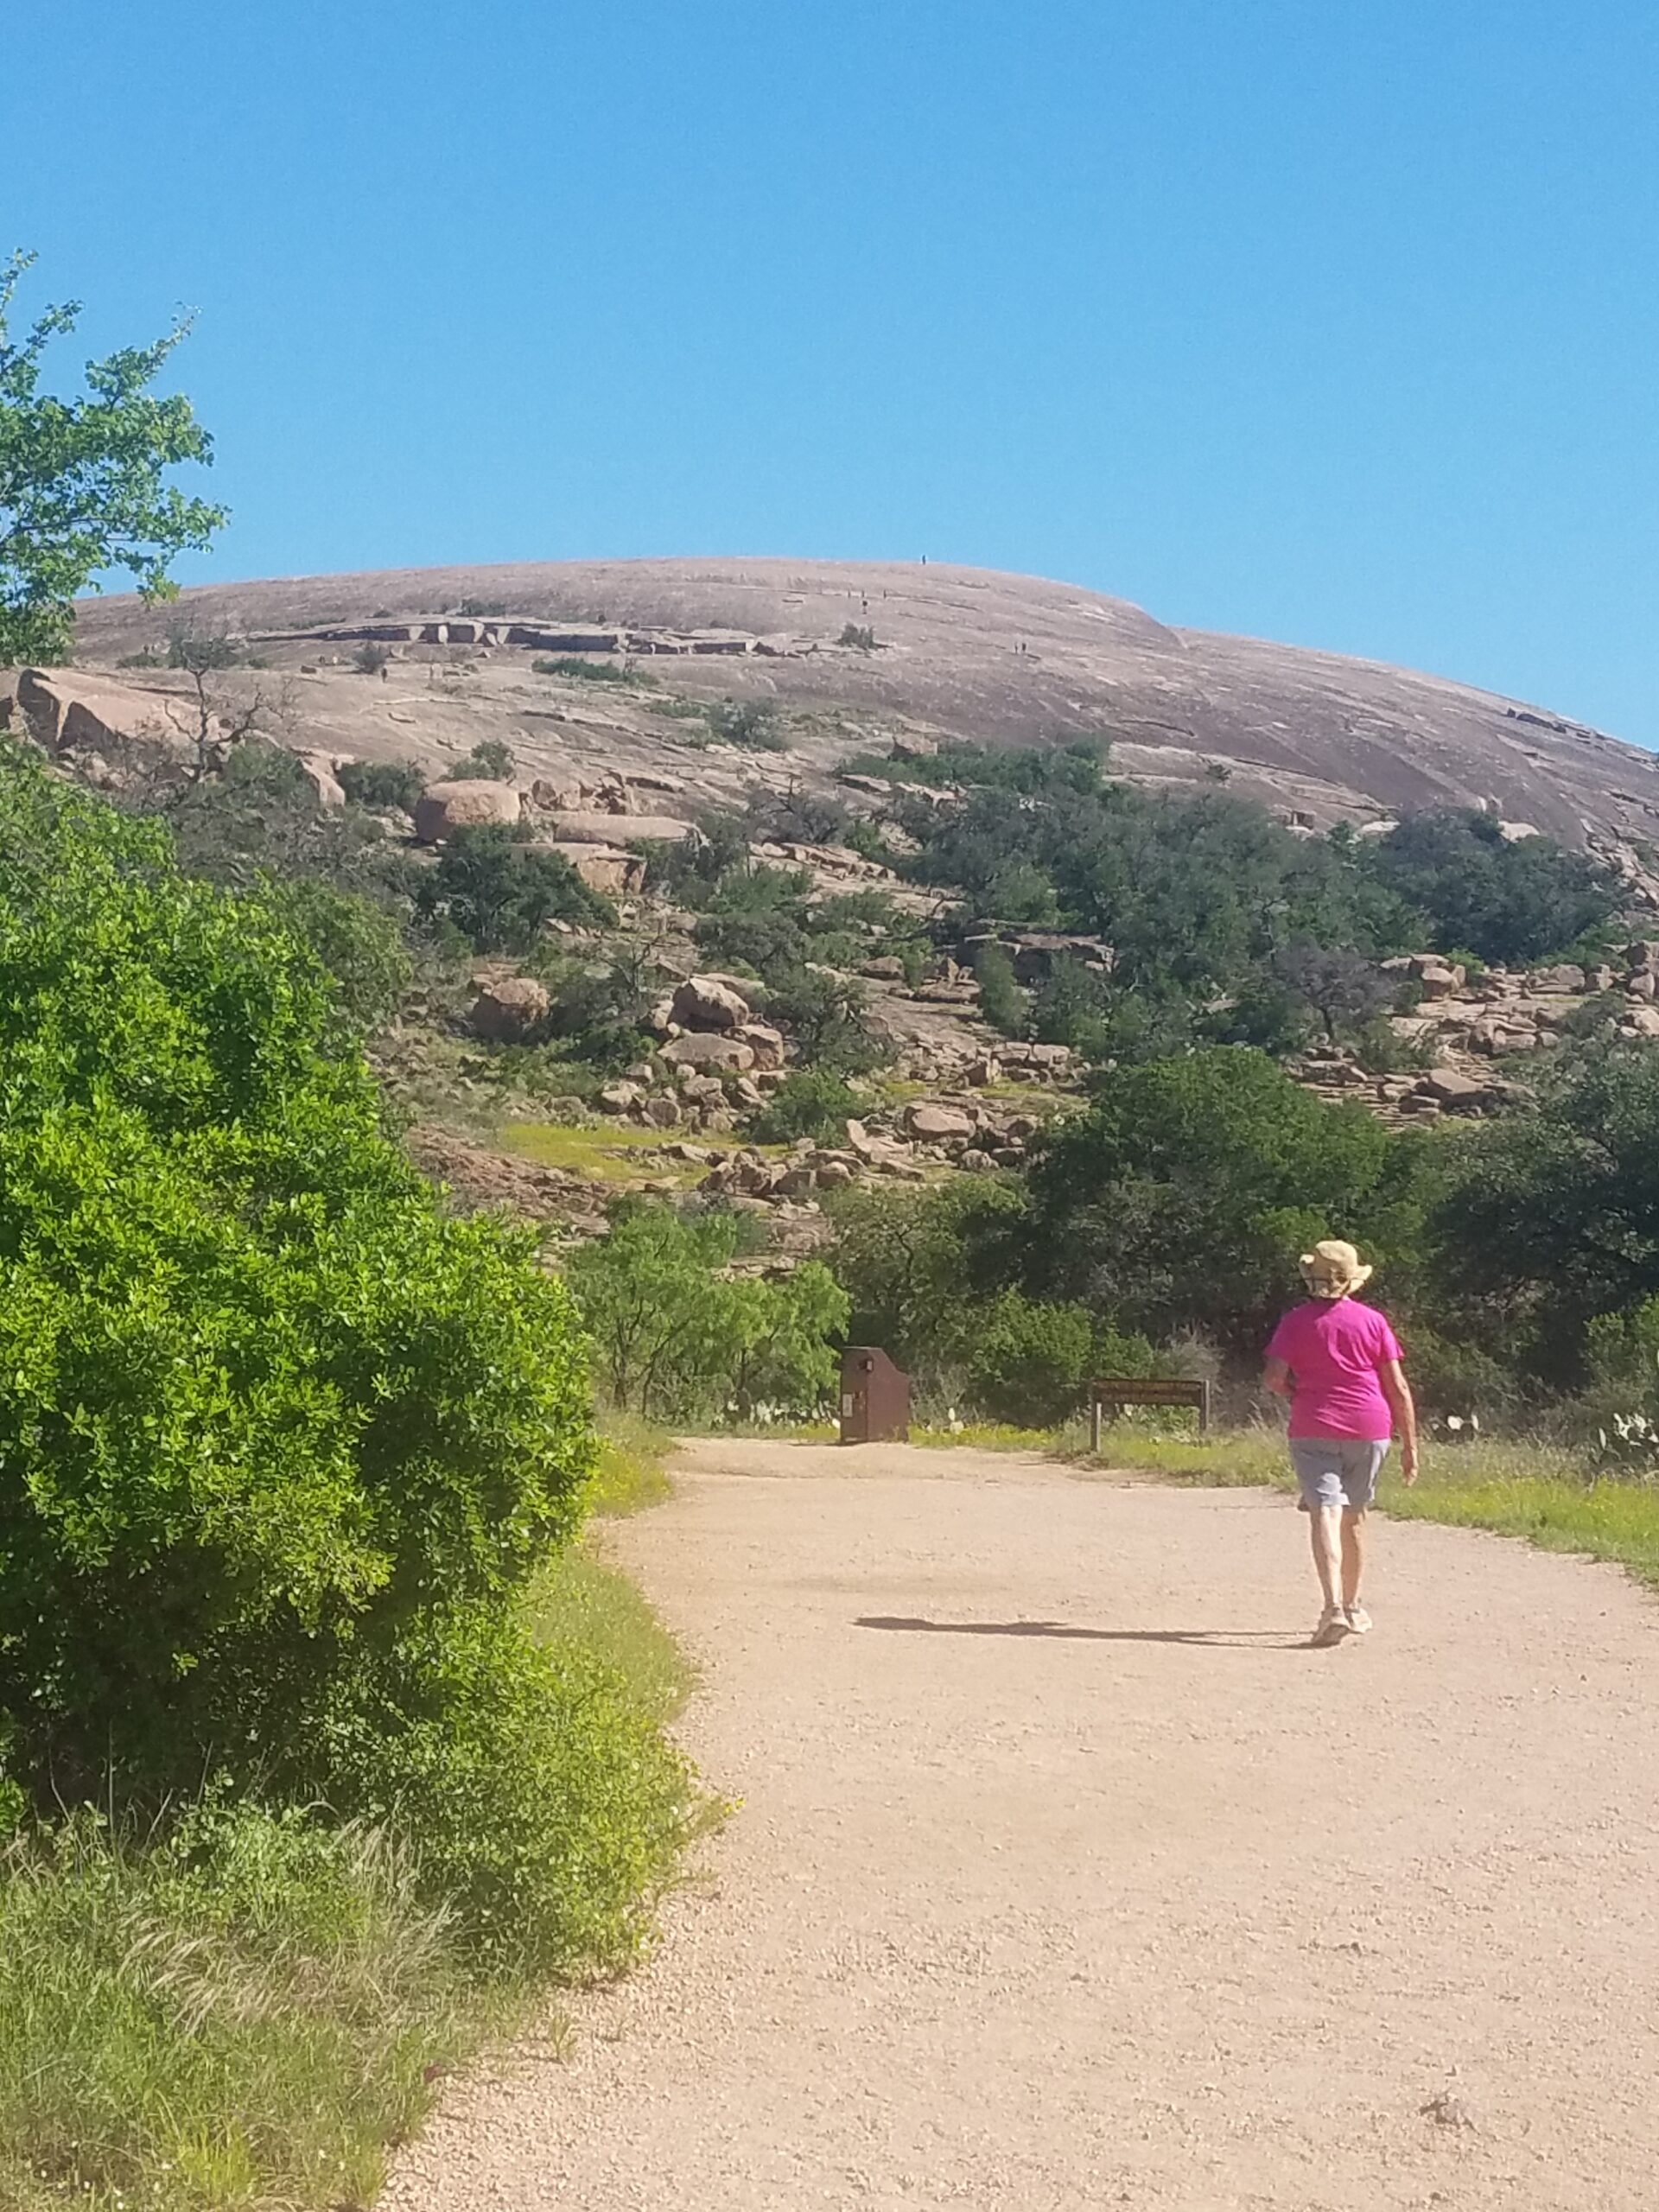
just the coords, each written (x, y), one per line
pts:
(840, 655)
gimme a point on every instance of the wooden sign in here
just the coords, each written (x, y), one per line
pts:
(1146, 1390)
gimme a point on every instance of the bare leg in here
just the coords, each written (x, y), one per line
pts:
(1325, 1528)
(1353, 1552)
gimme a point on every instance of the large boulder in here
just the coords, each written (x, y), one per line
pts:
(704, 1050)
(1451, 1087)
(506, 1010)
(1641, 1021)
(937, 1124)
(766, 1043)
(705, 1003)
(1562, 978)
(469, 803)
(318, 769)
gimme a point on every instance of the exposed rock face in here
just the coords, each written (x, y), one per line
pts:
(602, 867)
(702, 1002)
(1316, 735)
(472, 802)
(66, 711)
(507, 1009)
(765, 1042)
(319, 770)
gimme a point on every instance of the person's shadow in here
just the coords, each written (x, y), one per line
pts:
(1246, 1640)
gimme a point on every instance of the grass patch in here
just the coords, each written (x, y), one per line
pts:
(1538, 1492)
(984, 1436)
(248, 2008)
(244, 2014)
(630, 1475)
(600, 1155)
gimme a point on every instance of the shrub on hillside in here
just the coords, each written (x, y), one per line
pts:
(1030, 1361)
(811, 1103)
(500, 895)
(381, 783)
(490, 760)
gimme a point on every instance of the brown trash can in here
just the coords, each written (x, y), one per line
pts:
(874, 1398)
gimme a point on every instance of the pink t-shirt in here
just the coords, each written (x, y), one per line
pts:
(1333, 1348)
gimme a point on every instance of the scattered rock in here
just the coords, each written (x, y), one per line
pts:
(620, 1098)
(765, 1042)
(704, 1050)
(508, 1009)
(934, 1124)
(708, 1004)
(1450, 1088)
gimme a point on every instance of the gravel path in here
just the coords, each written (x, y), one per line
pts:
(1066, 1875)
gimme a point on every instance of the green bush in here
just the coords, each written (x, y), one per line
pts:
(549, 1809)
(500, 895)
(1001, 1002)
(812, 1102)
(751, 723)
(381, 783)
(1030, 1362)
(260, 1403)
(587, 671)
(490, 760)
(359, 944)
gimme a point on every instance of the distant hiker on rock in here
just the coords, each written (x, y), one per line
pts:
(1339, 1364)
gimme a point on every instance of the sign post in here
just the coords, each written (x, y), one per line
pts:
(1143, 1391)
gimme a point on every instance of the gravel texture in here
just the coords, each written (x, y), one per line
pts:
(1066, 1875)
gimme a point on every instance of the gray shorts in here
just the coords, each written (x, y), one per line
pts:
(1337, 1469)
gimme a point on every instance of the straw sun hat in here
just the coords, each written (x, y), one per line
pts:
(1333, 1269)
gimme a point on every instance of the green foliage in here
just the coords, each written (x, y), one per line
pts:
(491, 760)
(372, 658)
(588, 671)
(912, 1261)
(676, 1336)
(381, 782)
(486, 608)
(859, 636)
(200, 653)
(549, 1807)
(811, 1103)
(825, 1016)
(239, 2009)
(1058, 772)
(1550, 1220)
(261, 1404)
(1002, 1003)
(1510, 903)
(1072, 1008)
(752, 724)
(1181, 1199)
(359, 944)
(500, 894)
(1029, 1362)
(82, 486)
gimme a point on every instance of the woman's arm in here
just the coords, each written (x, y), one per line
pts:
(1397, 1391)
(1276, 1376)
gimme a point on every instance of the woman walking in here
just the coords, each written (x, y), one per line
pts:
(1340, 1364)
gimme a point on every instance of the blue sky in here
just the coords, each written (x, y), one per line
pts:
(1331, 320)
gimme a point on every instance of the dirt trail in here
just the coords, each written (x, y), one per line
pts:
(1067, 1877)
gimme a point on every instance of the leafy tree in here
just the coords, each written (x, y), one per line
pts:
(1030, 1362)
(359, 944)
(500, 894)
(675, 1336)
(911, 1261)
(1180, 1199)
(1001, 1002)
(825, 1015)
(1071, 1008)
(1550, 1218)
(82, 486)
(263, 1408)
(1510, 902)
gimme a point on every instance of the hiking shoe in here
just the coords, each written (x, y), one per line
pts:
(1359, 1620)
(1333, 1626)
